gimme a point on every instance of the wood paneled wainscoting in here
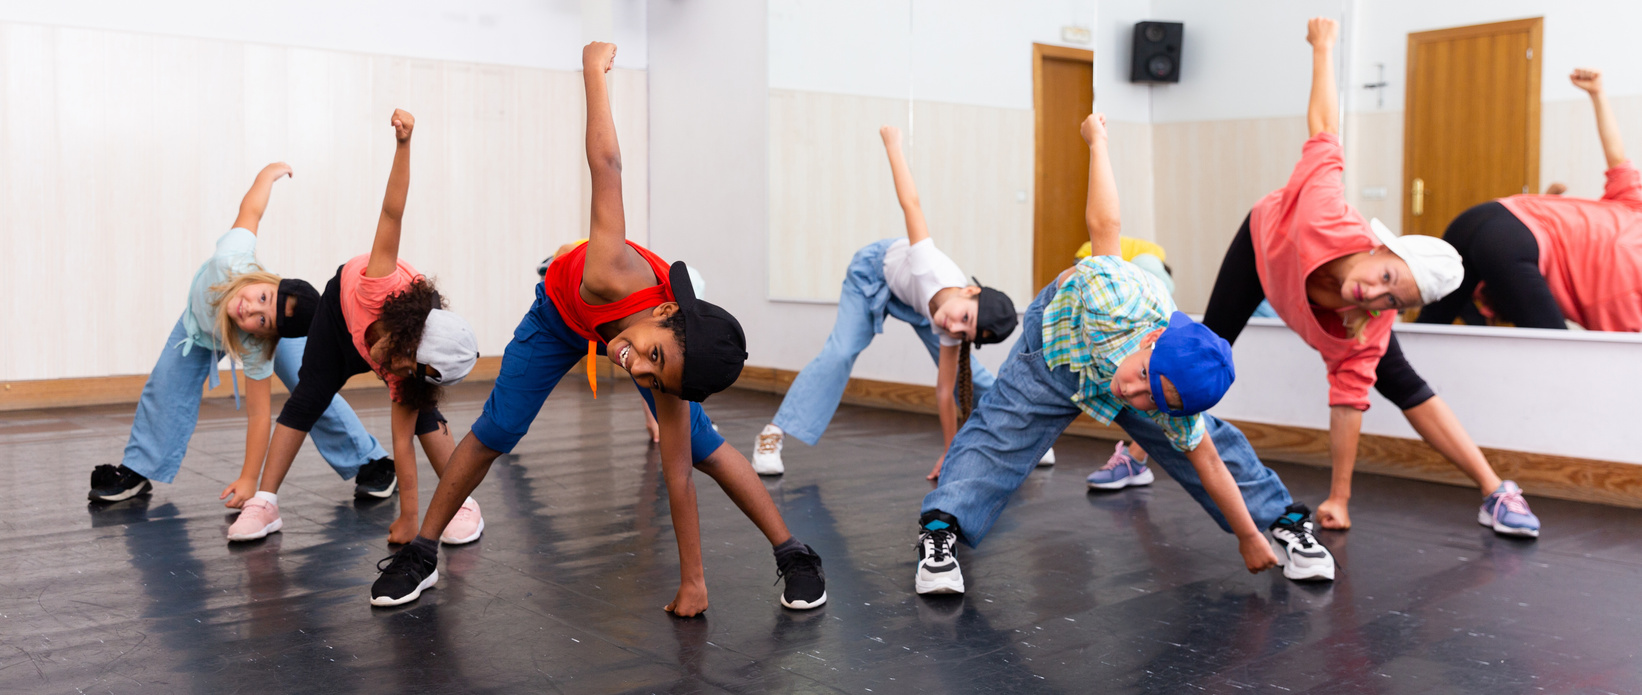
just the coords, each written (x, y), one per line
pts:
(1584, 480)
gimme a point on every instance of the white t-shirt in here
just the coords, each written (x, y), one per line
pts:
(915, 272)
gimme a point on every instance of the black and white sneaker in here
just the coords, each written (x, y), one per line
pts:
(938, 571)
(111, 484)
(1307, 560)
(806, 582)
(409, 572)
(376, 480)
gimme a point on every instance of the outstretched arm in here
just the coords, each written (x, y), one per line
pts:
(1323, 113)
(385, 251)
(256, 199)
(607, 233)
(1612, 147)
(258, 393)
(1222, 488)
(1101, 211)
(905, 190)
(673, 415)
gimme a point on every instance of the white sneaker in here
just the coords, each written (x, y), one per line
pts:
(767, 452)
(1306, 559)
(938, 571)
(1048, 458)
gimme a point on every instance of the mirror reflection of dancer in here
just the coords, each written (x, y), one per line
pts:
(1535, 260)
(644, 315)
(377, 315)
(261, 320)
(1339, 281)
(1105, 339)
(913, 281)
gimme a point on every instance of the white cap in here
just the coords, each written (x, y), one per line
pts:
(449, 346)
(1435, 264)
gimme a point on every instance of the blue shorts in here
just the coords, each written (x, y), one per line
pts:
(542, 351)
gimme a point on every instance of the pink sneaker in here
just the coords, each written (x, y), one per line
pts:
(466, 526)
(257, 519)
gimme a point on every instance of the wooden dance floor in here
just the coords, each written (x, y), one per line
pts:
(1129, 592)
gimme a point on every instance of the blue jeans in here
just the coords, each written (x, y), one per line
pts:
(816, 392)
(170, 408)
(542, 351)
(1031, 405)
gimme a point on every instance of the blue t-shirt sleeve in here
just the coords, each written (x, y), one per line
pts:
(256, 366)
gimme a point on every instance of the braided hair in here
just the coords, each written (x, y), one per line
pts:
(966, 385)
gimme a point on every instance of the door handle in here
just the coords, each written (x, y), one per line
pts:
(1418, 207)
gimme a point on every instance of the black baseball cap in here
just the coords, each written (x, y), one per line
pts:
(994, 315)
(715, 348)
(301, 313)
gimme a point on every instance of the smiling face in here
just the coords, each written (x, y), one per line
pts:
(252, 309)
(1380, 281)
(958, 313)
(651, 351)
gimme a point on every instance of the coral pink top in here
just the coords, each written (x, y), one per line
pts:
(563, 283)
(1298, 228)
(362, 300)
(1590, 251)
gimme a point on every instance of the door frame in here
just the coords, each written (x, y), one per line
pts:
(1536, 33)
(1040, 53)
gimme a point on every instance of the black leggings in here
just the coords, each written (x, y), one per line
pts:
(1237, 293)
(1499, 251)
(327, 362)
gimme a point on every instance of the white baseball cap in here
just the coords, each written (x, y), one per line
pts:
(449, 346)
(1435, 264)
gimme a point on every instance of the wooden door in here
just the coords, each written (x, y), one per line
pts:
(1063, 94)
(1471, 122)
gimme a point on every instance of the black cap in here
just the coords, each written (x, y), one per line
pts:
(293, 319)
(714, 346)
(994, 316)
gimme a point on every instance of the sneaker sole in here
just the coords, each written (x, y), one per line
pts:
(939, 586)
(1486, 519)
(1145, 478)
(270, 528)
(447, 540)
(1047, 460)
(407, 598)
(124, 495)
(1311, 574)
(766, 470)
(361, 493)
(804, 605)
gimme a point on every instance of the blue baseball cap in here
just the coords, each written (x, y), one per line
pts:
(1197, 362)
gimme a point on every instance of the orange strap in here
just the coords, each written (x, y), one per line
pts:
(592, 366)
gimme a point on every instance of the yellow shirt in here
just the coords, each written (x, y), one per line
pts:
(1130, 247)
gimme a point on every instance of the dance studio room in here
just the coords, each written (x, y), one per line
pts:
(820, 346)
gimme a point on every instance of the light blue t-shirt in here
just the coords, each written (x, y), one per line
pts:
(236, 253)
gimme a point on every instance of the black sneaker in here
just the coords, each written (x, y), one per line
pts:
(111, 484)
(806, 582)
(1307, 560)
(376, 479)
(409, 571)
(938, 571)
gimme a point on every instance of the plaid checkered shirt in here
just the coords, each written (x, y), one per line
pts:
(1099, 316)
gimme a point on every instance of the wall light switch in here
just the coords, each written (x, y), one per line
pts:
(1374, 193)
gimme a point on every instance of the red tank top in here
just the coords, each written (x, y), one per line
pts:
(563, 284)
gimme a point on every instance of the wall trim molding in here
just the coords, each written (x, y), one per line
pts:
(1583, 480)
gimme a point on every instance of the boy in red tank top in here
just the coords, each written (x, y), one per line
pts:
(644, 315)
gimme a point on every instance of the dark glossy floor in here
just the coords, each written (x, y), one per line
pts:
(1129, 592)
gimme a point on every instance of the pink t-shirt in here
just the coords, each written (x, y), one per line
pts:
(1298, 228)
(362, 299)
(1590, 251)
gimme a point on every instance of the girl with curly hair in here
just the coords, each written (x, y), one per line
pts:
(259, 320)
(378, 315)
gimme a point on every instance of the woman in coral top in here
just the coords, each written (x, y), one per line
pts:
(1535, 260)
(1339, 281)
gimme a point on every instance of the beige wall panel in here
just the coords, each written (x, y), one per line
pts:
(1209, 174)
(1374, 159)
(1132, 161)
(1570, 151)
(124, 156)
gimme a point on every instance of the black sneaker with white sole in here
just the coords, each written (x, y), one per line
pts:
(111, 484)
(409, 572)
(806, 582)
(1306, 559)
(938, 571)
(376, 480)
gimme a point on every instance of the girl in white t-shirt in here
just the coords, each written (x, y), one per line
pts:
(913, 281)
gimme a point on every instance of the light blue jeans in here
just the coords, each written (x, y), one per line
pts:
(1031, 405)
(816, 392)
(170, 408)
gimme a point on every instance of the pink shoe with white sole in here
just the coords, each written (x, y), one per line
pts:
(256, 520)
(466, 526)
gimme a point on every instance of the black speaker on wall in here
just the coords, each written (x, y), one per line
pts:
(1156, 56)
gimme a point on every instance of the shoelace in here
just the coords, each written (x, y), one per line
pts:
(767, 443)
(1302, 531)
(942, 542)
(398, 563)
(797, 564)
(1511, 500)
(104, 474)
(1119, 458)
